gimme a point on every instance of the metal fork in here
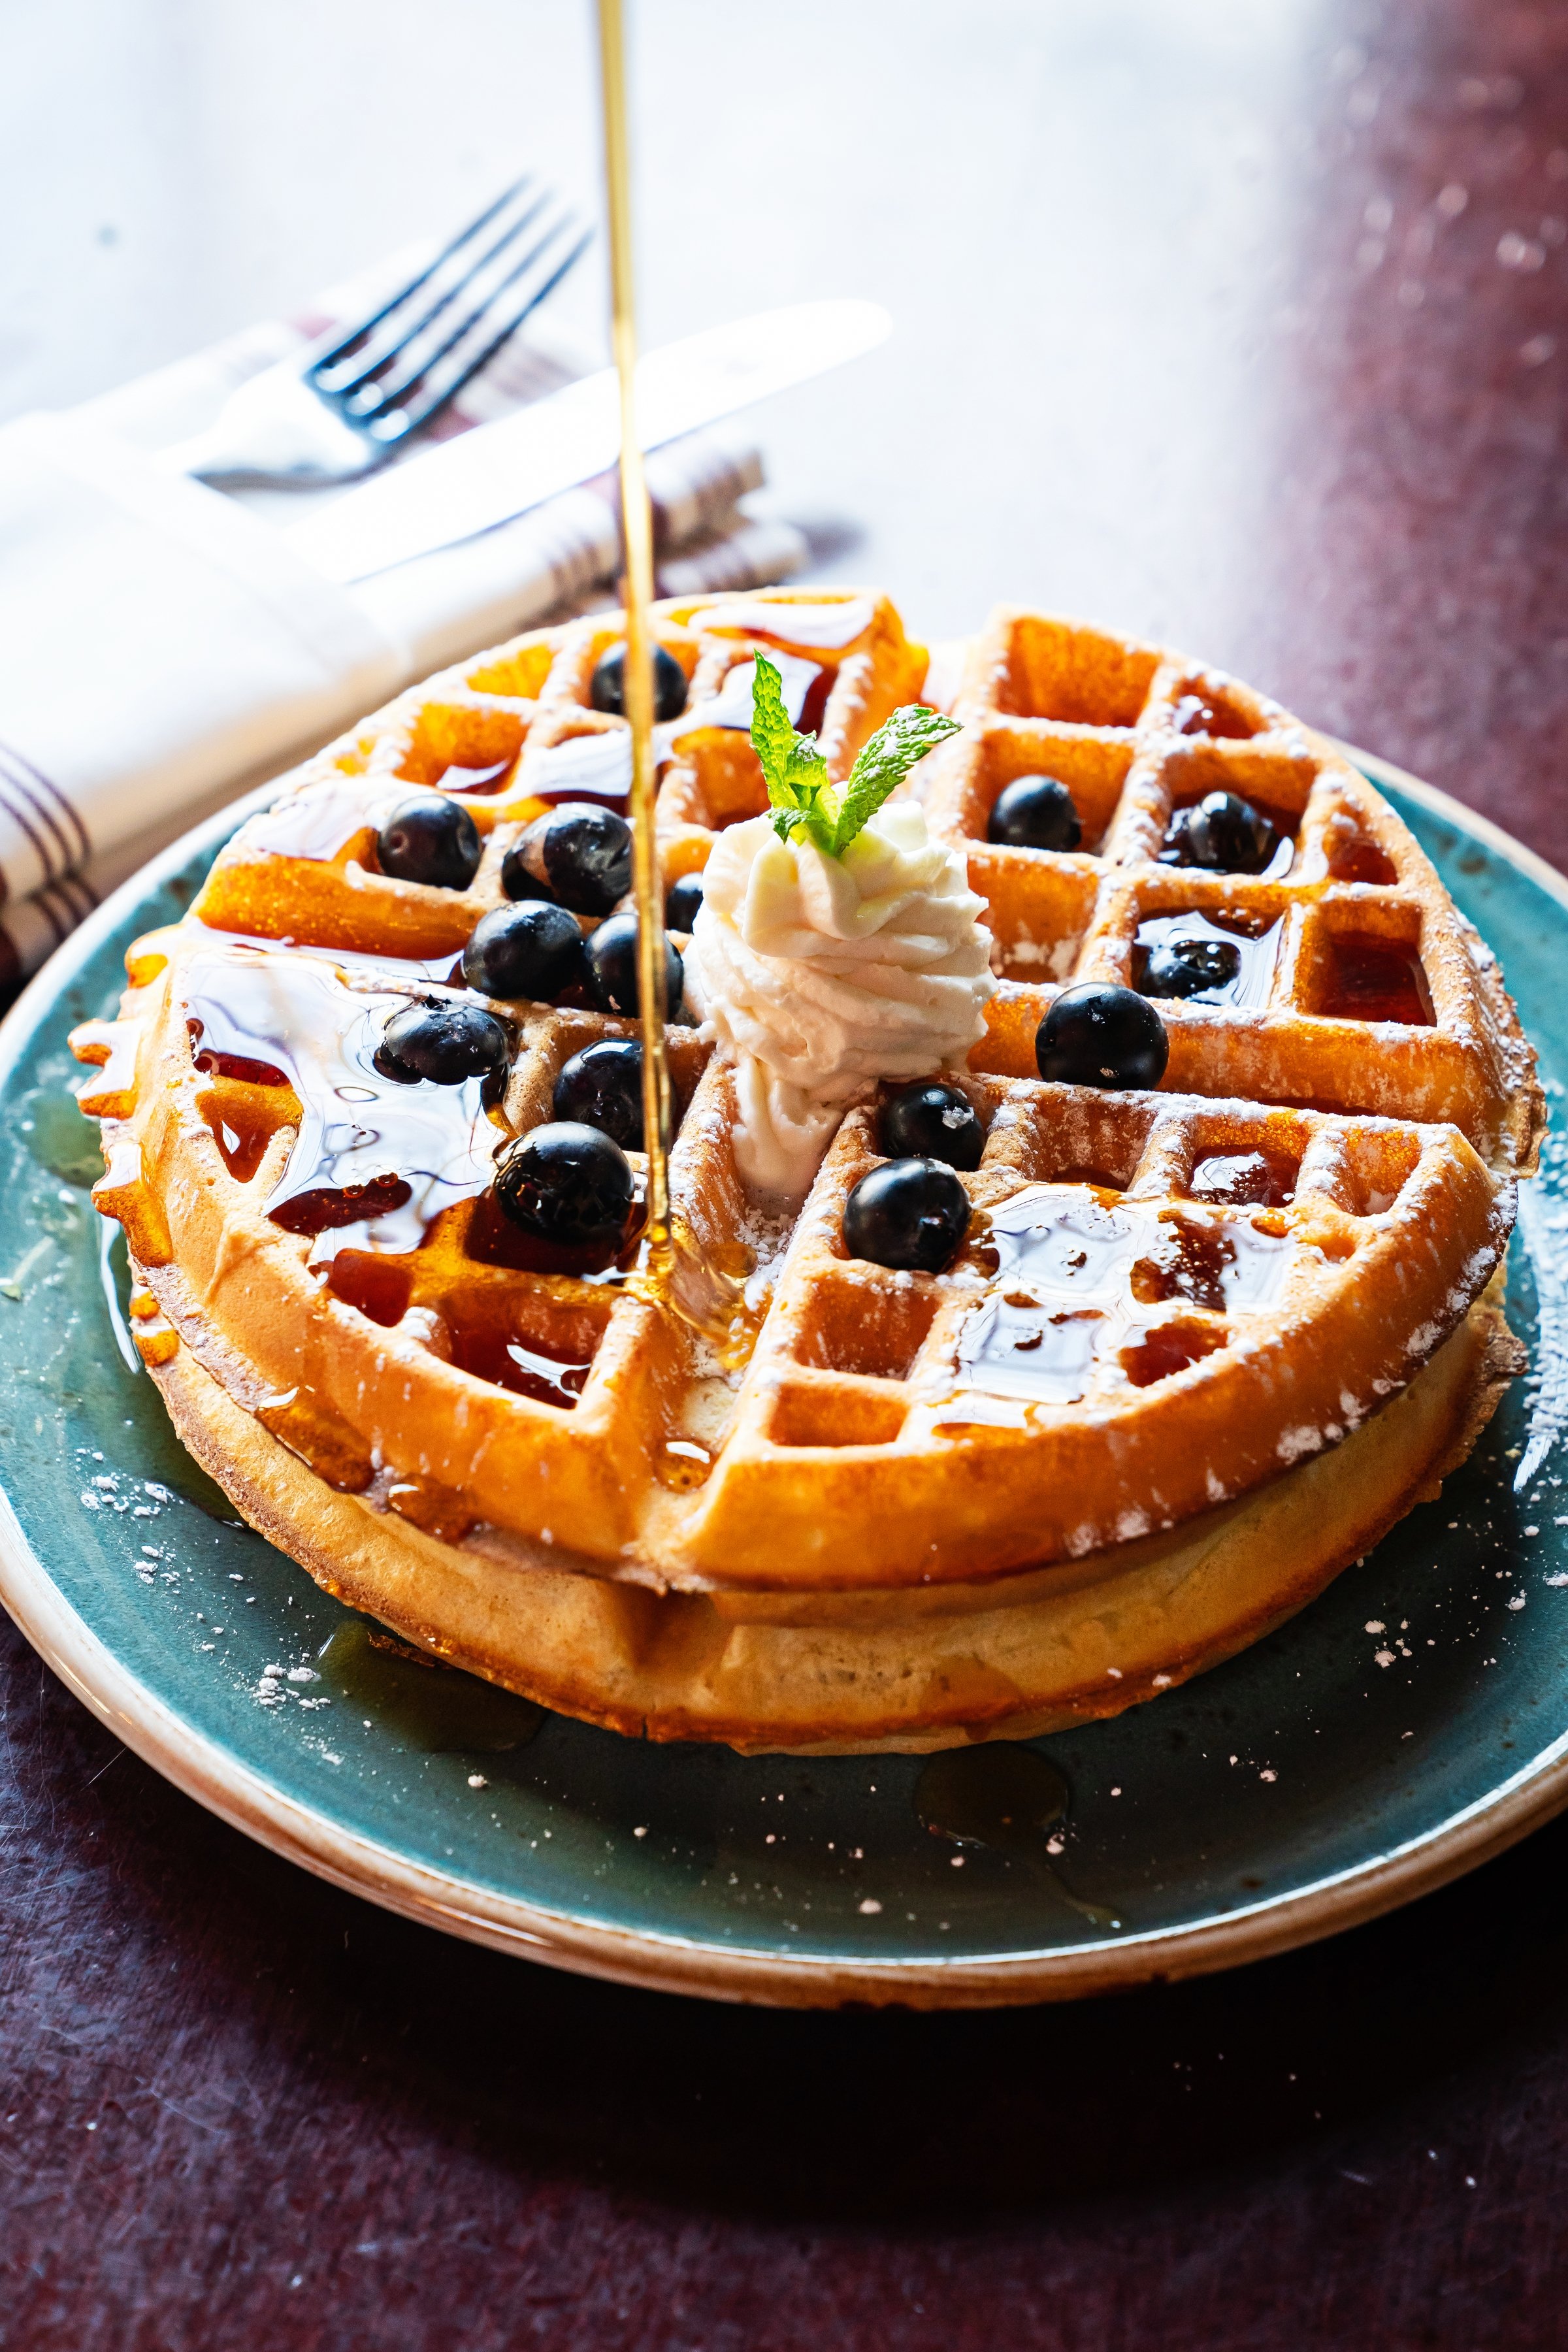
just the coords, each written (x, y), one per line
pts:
(341, 407)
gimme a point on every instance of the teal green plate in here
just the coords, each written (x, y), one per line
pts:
(1414, 1720)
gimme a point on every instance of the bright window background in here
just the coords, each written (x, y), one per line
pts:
(1077, 211)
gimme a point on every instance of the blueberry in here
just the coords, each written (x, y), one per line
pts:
(429, 838)
(931, 1122)
(608, 691)
(1188, 967)
(1035, 812)
(519, 883)
(1223, 833)
(1098, 1036)
(1176, 849)
(533, 949)
(613, 969)
(602, 1086)
(908, 1212)
(567, 1183)
(443, 1042)
(681, 901)
(579, 853)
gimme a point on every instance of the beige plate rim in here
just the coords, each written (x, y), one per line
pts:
(250, 1804)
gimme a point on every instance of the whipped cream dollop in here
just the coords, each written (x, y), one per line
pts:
(819, 975)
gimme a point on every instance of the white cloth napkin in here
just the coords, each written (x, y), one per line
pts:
(163, 648)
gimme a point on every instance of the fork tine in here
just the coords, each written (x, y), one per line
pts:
(423, 413)
(351, 335)
(393, 389)
(343, 383)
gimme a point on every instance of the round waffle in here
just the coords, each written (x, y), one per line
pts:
(1201, 1347)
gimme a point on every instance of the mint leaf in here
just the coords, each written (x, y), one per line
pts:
(773, 736)
(802, 797)
(793, 769)
(884, 762)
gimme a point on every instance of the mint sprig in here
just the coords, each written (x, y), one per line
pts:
(803, 797)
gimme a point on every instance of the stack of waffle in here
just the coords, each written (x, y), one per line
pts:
(1201, 1346)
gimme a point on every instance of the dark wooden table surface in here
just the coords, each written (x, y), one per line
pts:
(1239, 319)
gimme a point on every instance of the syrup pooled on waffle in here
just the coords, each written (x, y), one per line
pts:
(1123, 1294)
(1344, 975)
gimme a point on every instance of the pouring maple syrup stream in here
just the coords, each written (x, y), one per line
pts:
(678, 1275)
(636, 526)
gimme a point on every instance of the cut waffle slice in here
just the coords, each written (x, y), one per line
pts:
(1142, 1272)
(514, 733)
(398, 1331)
(1170, 1308)
(1361, 987)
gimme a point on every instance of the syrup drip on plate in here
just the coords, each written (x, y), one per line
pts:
(1005, 1798)
(427, 1704)
(374, 1161)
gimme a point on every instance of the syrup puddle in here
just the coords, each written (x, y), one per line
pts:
(1073, 1275)
(319, 822)
(374, 1162)
(830, 627)
(454, 779)
(1244, 1179)
(1376, 980)
(1257, 953)
(1215, 1262)
(1063, 1262)
(112, 1260)
(354, 966)
(1007, 1799)
(731, 705)
(434, 1707)
(548, 1378)
(1543, 1224)
(590, 767)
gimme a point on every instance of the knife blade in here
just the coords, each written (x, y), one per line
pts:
(497, 471)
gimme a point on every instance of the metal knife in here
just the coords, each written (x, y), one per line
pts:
(484, 477)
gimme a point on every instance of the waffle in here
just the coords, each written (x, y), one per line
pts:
(1201, 1346)
(1360, 928)
(517, 728)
